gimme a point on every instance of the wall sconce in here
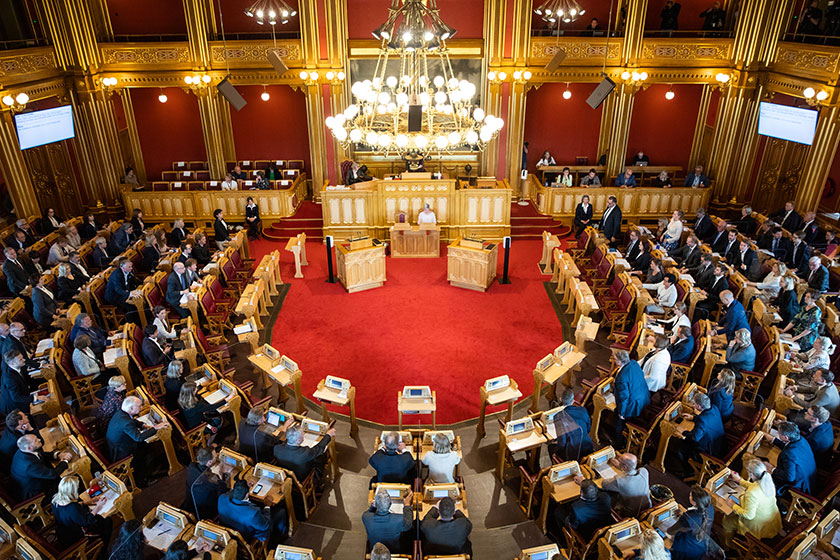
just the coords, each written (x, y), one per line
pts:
(309, 78)
(109, 82)
(16, 103)
(496, 77)
(568, 93)
(499, 76)
(162, 97)
(335, 77)
(722, 80)
(635, 80)
(521, 76)
(197, 82)
(814, 98)
(264, 95)
(669, 95)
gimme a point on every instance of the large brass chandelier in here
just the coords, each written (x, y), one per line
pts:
(414, 104)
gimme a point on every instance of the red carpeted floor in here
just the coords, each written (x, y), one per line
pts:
(415, 330)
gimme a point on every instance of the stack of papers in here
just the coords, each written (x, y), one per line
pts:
(243, 328)
(44, 345)
(215, 397)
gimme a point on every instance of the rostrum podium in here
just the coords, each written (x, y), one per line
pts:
(421, 241)
(360, 264)
(471, 263)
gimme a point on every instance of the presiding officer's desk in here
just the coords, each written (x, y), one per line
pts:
(360, 264)
(166, 524)
(418, 241)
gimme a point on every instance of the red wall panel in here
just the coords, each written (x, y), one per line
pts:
(466, 16)
(119, 112)
(149, 17)
(664, 129)
(566, 127)
(168, 131)
(273, 129)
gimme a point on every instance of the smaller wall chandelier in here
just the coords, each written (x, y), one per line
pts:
(271, 12)
(813, 97)
(16, 103)
(553, 11)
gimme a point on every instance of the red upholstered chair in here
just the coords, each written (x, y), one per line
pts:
(261, 164)
(195, 185)
(44, 542)
(179, 186)
(345, 167)
(186, 176)
(232, 279)
(160, 185)
(111, 314)
(629, 340)
(229, 165)
(152, 375)
(180, 165)
(83, 386)
(99, 452)
(601, 274)
(295, 164)
(226, 299)
(170, 176)
(25, 512)
(198, 165)
(595, 259)
(243, 265)
(217, 320)
(580, 248)
(607, 296)
(246, 164)
(214, 348)
(212, 186)
(746, 390)
(617, 316)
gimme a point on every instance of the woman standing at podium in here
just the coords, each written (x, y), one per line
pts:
(426, 216)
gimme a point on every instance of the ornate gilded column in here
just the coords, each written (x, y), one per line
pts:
(615, 127)
(317, 136)
(634, 30)
(820, 157)
(73, 33)
(133, 136)
(200, 23)
(14, 170)
(695, 157)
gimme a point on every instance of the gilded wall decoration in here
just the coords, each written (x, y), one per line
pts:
(807, 58)
(239, 52)
(718, 51)
(159, 54)
(32, 61)
(545, 48)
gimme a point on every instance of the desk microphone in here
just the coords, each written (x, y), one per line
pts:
(192, 493)
(256, 455)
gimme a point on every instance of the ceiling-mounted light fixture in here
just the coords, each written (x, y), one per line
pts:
(264, 95)
(271, 12)
(553, 11)
(669, 95)
(162, 97)
(568, 93)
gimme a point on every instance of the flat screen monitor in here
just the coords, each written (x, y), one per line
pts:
(394, 492)
(787, 123)
(168, 517)
(274, 418)
(440, 493)
(540, 555)
(209, 536)
(44, 127)
(623, 534)
(415, 392)
(517, 428)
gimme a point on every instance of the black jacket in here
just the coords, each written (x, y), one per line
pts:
(704, 229)
(387, 529)
(300, 460)
(581, 214)
(718, 240)
(588, 517)
(8, 445)
(172, 387)
(393, 467)
(100, 259)
(220, 230)
(256, 443)
(124, 435)
(153, 355)
(687, 256)
(203, 491)
(572, 427)
(784, 249)
(798, 257)
(611, 227)
(445, 537)
(14, 390)
(787, 305)
(16, 276)
(32, 475)
(201, 254)
(792, 223)
(71, 519)
(176, 237)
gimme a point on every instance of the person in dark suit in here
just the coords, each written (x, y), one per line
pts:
(735, 317)
(125, 435)
(641, 264)
(780, 246)
(571, 427)
(151, 255)
(18, 241)
(298, 459)
(123, 237)
(810, 228)
(694, 527)
(120, 284)
(100, 256)
(204, 486)
(688, 256)
(178, 234)
(196, 412)
(788, 218)
(630, 390)
(252, 218)
(747, 225)
(354, 174)
(17, 426)
(201, 252)
(698, 179)
(250, 520)
(15, 341)
(795, 466)
(817, 275)
(721, 393)
(633, 246)
(75, 519)
(786, 302)
(799, 254)
(626, 179)
(716, 286)
(137, 224)
(669, 15)
(29, 234)
(583, 214)
(588, 513)
(255, 442)
(43, 302)
(31, 472)
(16, 276)
(611, 221)
(89, 227)
(704, 272)
(719, 238)
(50, 222)
(445, 530)
(730, 248)
(707, 436)
(704, 229)
(155, 352)
(682, 345)
(14, 384)
(98, 337)
(816, 429)
(392, 463)
(220, 228)
(746, 261)
(176, 286)
(390, 529)
(192, 271)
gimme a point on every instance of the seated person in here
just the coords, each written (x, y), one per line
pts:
(15, 384)
(196, 411)
(630, 489)
(707, 436)
(392, 463)
(642, 260)
(426, 216)
(795, 466)
(380, 552)
(390, 529)
(682, 345)
(98, 337)
(299, 459)
(156, 352)
(817, 275)
(127, 436)
(757, 514)
(111, 403)
(694, 527)
(818, 357)
(721, 392)
(31, 472)
(820, 392)
(687, 256)
(204, 487)
(786, 303)
(177, 285)
(626, 179)
(656, 363)
(250, 520)
(735, 317)
(17, 426)
(666, 294)
(662, 181)
(591, 179)
(75, 519)
(805, 326)
(698, 179)
(441, 460)
(120, 285)
(818, 433)
(588, 513)
(572, 426)
(254, 442)
(651, 547)
(445, 530)
(740, 352)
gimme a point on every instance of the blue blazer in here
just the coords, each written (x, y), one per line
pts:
(117, 290)
(708, 434)
(798, 258)
(723, 401)
(735, 318)
(685, 546)
(203, 495)
(741, 359)
(245, 517)
(121, 240)
(820, 439)
(623, 181)
(682, 350)
(573, 441)
(387, 529)
(689, 179)
(631, 391)
(33, 476)
(795, 467)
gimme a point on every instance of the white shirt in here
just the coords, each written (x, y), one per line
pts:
(426, 217)
(770, 283)
(46, 291)
(666, 297)
(656, 369)
(169, 334)
(229, 185)
(441, 466)
(544, 161)
(673, 231)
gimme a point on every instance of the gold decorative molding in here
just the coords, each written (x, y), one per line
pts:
(463, 48)
(149, 56)
(578, 50)
(667, 52)
(789, 85)
(812, 61)
(251, 54)
(26, 65)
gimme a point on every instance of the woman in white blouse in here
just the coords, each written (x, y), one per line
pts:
(546, 159)
(770, 286)
(229, 184)
(165, 329)
(84, 360)
(673, 232)
(818, 357)
(441, 460)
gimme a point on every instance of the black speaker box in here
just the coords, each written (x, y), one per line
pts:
(415, 118)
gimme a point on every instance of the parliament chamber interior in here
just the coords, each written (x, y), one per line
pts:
(419, 279)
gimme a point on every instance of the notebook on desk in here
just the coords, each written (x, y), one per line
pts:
(161, 535)
(216, 396)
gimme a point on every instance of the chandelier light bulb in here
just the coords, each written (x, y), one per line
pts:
(371, 138)
(421, 141)
(428, 36)
(517, 75)
(472, 137)
(162, 98)
(625, 75)
(809, 93)
(440, 98)
(551, 10)
(439, 81)
(401, 140)
(454, 138)
(265, 96)
(822, 95)
(402, 99)
(634, 76)
(478, 114)
(441, 142)
(355, 135)
(304, 75)
(406, 36)
(313, 76)
(340, 134)
(330, 121)
(669, 95)
(391, 82)
(425, 98)
(643, 76)
(188, 80)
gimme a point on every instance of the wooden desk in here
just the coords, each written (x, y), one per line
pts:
(360, 269)
(550, 242)
(277, 487)
(417, 406)
(558, 489)
(528, 443)
(471, 267)
(164, 525)
(564, 269)
(118, 498)
(329, 395)
(555, 371)
(282, 376)
(415, 241)
(297, 246)
(507, 395)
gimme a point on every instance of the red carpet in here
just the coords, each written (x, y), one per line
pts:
(415, 330)
(307, 219)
